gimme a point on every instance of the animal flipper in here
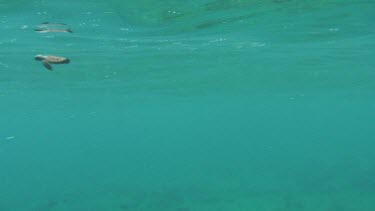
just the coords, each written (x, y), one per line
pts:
(47, 65)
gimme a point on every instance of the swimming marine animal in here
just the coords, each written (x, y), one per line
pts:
(47, 60)
(52, 27)
(53, 30)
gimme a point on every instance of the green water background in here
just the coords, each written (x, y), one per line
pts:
(240, 105)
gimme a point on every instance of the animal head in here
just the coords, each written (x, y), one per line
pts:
(39, 57)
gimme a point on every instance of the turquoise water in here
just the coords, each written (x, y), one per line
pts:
(202, 105)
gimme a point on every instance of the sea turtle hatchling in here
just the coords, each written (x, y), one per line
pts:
(47, 60)
(53, 30)
(52, 27)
